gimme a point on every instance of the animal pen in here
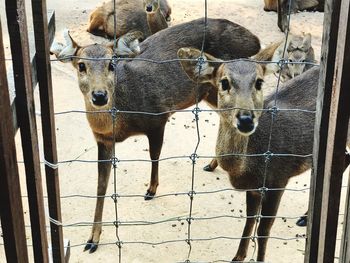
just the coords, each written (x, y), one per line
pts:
(31, 69)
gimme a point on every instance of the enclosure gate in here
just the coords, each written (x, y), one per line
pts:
(332, 119)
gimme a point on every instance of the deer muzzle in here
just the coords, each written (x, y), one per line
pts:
(245, 123)
(99, 98)
(149, 8)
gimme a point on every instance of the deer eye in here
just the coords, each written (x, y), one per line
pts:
(82, 67)
(258, 84)
(290, 60)
(111, 66)
(225, 84)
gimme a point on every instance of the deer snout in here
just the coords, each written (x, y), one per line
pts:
(99, 98)
(245, 123)
(149, 8)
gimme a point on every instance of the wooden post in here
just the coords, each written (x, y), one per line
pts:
(328, 54)
(345, 241)
(17, 26)
(11, 211)
(48, 124)
(330, 134)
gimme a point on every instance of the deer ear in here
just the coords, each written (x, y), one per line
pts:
(64, 52)
(191, 64)
(307, 41)
(128, 45)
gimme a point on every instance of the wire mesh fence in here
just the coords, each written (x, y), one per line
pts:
(193, 157)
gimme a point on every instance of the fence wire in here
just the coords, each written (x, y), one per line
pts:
(193, 157)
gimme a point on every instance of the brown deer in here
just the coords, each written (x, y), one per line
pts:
(147, 16)
(148, 87)
(297, 5)
(245, 130)
(282, 7)
(298, 51)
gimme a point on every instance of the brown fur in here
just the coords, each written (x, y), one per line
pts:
(131, 15)
(297, 5)
(149, 87)
(292, 134)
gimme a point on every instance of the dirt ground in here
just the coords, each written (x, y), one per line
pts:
(75, 141)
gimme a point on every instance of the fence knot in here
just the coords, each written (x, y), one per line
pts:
(114, 161)
(282, 62)
(194, 157)
(200, 61)
(263, 190)
(115, 197)
(187, 260)
(116, 223)
(196, 112)
(273, 110)
(189, 220)
(114, 111)
(268, 156)
(188, 241)
(191, 193)
(119, 244)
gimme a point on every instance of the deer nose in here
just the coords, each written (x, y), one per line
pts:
(149, 8)
(99, 98)
(245, 123)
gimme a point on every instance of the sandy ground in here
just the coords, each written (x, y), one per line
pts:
(75, 141)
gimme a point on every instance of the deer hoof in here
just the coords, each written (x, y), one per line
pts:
(91, 246)
(208, 168)
(149, 195)
(302, 221)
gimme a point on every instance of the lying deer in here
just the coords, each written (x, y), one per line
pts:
(147, 87)
(284, 6)
(297, 5)
(246, 130)
(298, 51)
(147, 16)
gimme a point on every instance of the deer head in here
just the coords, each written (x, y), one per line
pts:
(239, 86)
(95, 66)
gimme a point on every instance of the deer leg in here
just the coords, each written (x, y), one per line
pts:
(253, 201)
(155, 139)
(282, 15)
(104, 169)
(270, 206)
(302, 221)
(211, 167)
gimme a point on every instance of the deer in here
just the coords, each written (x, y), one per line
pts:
(298, 5)
(282, 7)
(245, 129)
(135, 85)
(298, 51)
(146, 16)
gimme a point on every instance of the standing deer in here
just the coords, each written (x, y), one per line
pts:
(245, 130)
(147, 16)
(298, 51)
(148, 87)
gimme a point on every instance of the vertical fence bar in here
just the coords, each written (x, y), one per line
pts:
(11, 211)
(337, 136)
(328, 54)
(48, 123)
(334, 137)
(17, 25)
(345, 241)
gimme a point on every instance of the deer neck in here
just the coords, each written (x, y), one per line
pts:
(156, 21)
(230, 141)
